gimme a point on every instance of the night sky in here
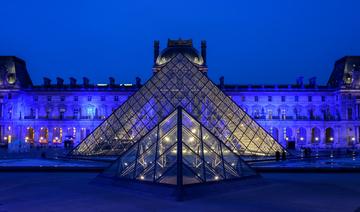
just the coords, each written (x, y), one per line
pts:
(259, 42)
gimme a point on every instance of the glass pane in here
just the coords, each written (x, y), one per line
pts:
(189, 176)
(164, 163)
(193, 161)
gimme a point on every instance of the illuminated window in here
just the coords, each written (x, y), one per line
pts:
(44, 135)
(30, 134)
(57, 135)
(90, 112)
(71, 131)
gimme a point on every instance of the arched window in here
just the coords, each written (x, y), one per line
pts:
(329, 135)
(90, 112)
(30, 135)
(315, 135)
(288, 134)
(44, 135)
(301, 135)
(57, 135)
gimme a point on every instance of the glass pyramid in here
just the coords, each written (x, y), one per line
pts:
(156, 156)
(179, 82)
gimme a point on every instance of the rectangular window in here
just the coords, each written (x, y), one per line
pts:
(269, 98)
(89, 98)
(76, 112)
(309, 98)
(349, 112)
(283, 98)
(9, 96)
(323, 98)
(269, 114)
(62, 98)
(76, 98)
(36, 98)
(296, 98)
(116, 98)
(102, 98)
(256, 114)
(256, 98)
(243, 98)
(283, 114)
(49, 98)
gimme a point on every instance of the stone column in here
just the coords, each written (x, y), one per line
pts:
(308, 137)
(78, 135)
(50, 137)
(322, 137)
(337, 141)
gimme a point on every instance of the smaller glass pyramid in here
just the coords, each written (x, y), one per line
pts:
(156, 156)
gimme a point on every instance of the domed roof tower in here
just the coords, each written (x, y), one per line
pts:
(175, 47)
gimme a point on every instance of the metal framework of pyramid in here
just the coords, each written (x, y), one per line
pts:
(179, 151)
(179, 83)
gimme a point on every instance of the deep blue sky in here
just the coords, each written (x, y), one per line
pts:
(248, 41)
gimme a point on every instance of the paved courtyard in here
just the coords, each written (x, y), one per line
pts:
(23, 191)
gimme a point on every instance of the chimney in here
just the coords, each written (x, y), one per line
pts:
(59, 82)
(156, 49)
(203, 50)
(138, 82)
(312, 81)
(300, 81)
(222, 83)
(111, 81)
(47, 82)
(72, 82)
(85, 82)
